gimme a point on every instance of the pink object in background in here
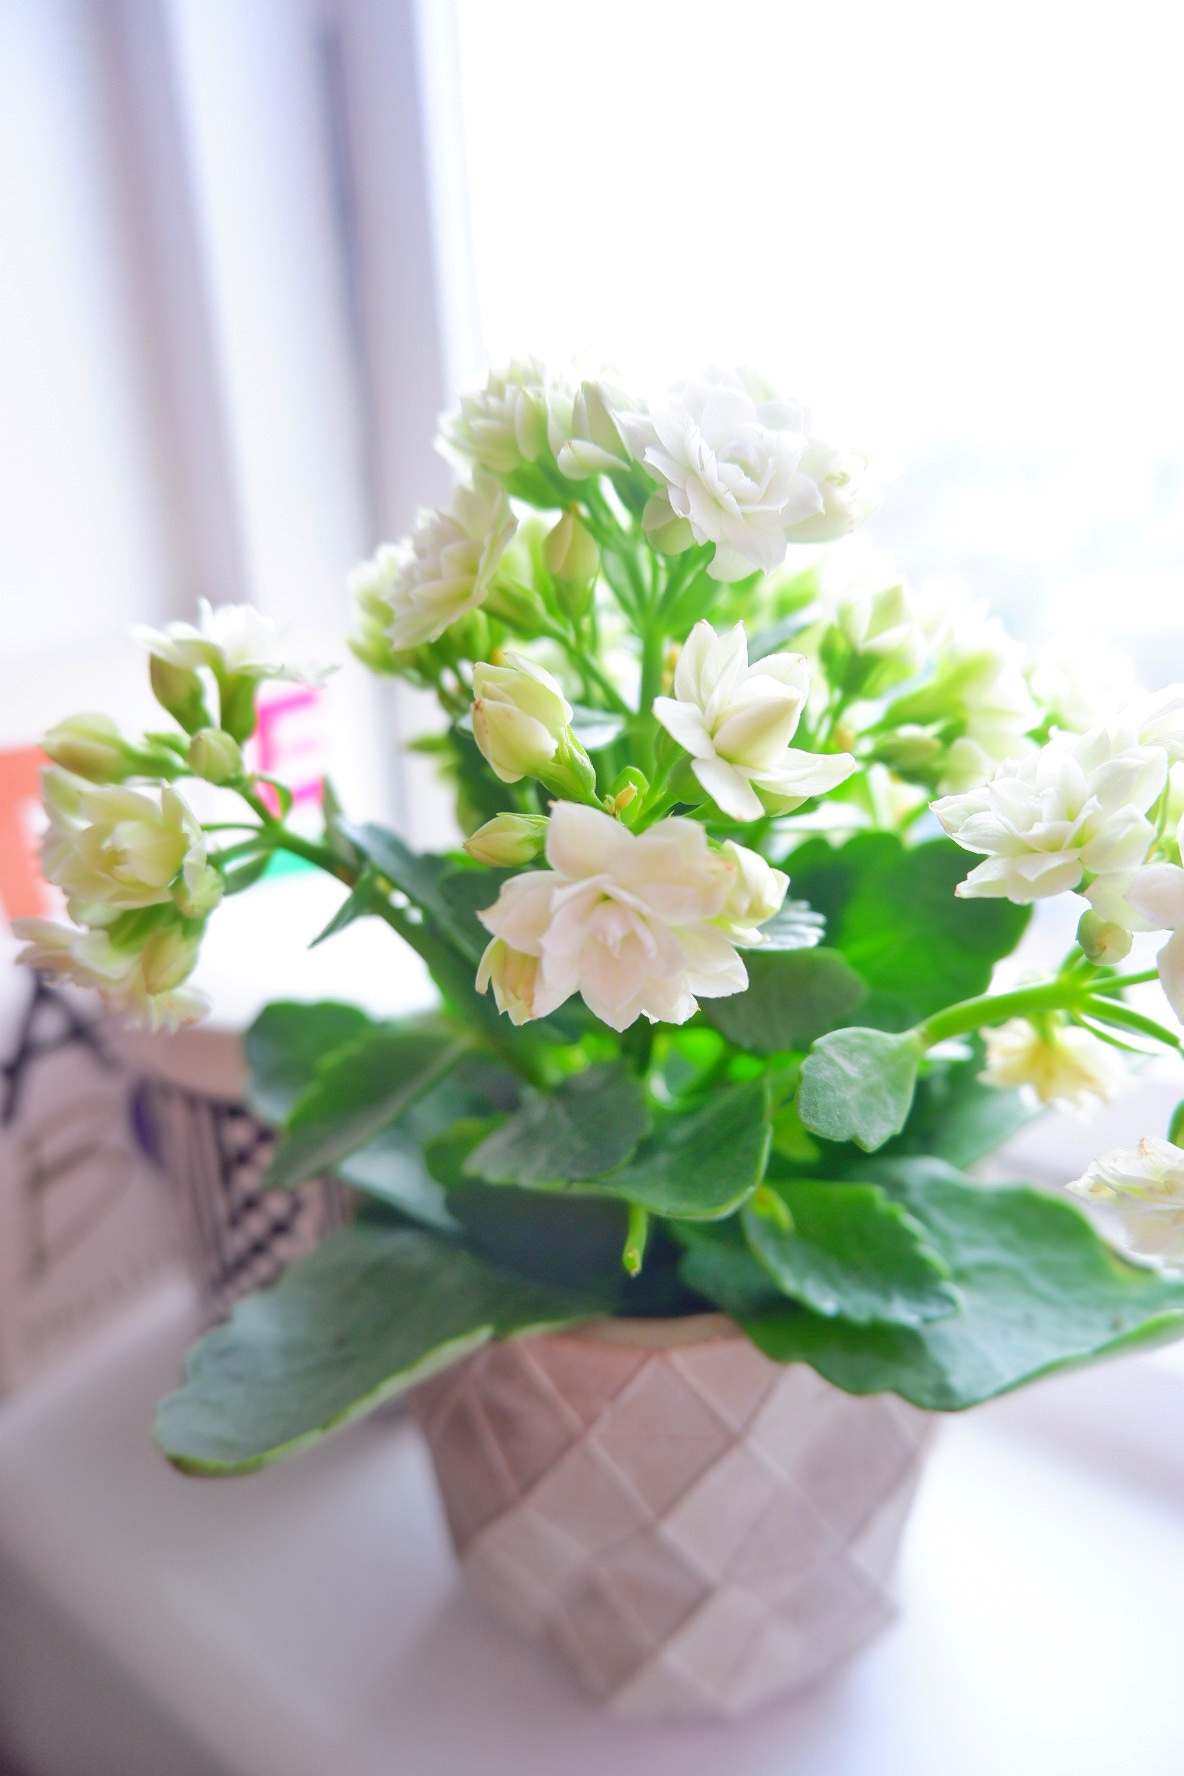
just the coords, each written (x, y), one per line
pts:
(23, 894)
(289, 743)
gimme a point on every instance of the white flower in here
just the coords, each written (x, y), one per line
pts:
(1074, 810)
(1156, 894)
(111, 850)
(1158, 717)
(1145, 1184)
(587, 439)
(737, 720)
(449, 566)
(754, 895)
(1063, 1065)
(519, 715)
(504, 424)
(1082, 681)
(624, 919)
(738, 469)
(848, 494)
(142, 980)
(232, 640)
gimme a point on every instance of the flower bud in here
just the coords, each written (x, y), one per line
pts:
(236, 705)
(519, 607)
(90, 746)
(572, 559)
(519, 714)
(199, 891)
(178, 690)
(508, 840)
(1103, 940)
(215, 755)
(909, 749)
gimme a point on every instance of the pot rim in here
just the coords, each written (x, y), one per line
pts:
(653, 1334)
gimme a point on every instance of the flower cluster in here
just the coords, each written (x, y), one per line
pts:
(1076, 816)
(639, 924)
(650, 706)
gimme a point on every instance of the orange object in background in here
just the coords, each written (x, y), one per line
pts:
(23, 894)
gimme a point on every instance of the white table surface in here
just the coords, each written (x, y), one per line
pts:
(309, 1621)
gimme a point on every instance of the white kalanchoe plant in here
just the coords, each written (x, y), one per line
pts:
(716, 1027)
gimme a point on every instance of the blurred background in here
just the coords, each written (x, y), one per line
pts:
(250, 246)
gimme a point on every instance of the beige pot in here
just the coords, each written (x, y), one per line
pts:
(694, 1527)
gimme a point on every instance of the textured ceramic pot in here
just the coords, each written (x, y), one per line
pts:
(693, 1527)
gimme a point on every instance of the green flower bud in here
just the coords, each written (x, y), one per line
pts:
(198, 891)
(179, 690)
(215, 755)
(508, 840)
(1103, 940)
(236, 704)
(572, 559)
(91, 746)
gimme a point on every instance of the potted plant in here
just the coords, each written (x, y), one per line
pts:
(667, 1216)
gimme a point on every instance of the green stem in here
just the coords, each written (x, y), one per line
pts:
(589, 669)
(1118, 982)
(651, 667)
(995, 1008)
(636, 1235)
(1110, 1011)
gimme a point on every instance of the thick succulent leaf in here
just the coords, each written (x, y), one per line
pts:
(357, 1092)
(1039, 1289)
(569, 1234)
(372, 1311)
(793, 997)
(702, 1164)
(892, 911)
(393, 1169)
(588, 1125)
(852, 1254)
(857, 1085)
(794, 926)
(287, 1044)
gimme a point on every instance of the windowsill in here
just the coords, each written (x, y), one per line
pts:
(310, 1620)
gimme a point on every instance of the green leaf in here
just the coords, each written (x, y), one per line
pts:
(419, 875)
(795, 926)
(892, 912)
(359, 903)
(358, 1091)
(391, 1170)
(1040, 1291)
(702, 1164)
(286, 1045)
(857, 1085)
(245, 872)
(793, 997)
(588, 1125)
(852, 1254)
(564, 1236)
(367, 1315)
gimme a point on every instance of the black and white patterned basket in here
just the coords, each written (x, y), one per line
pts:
(215, 1151)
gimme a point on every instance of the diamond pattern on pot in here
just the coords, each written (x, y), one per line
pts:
(693, 1527)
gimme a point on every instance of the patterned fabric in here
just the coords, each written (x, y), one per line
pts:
(695, 1529)
(241, 1236)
